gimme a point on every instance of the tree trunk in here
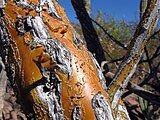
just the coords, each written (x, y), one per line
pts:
(56, 77)
(53, 74)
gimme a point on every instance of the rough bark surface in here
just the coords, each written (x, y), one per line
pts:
(55, 75)
(101, 108)
(128, 66)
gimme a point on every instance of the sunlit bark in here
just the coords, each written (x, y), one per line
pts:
(56, 76)
(53, 73)
(136, 47)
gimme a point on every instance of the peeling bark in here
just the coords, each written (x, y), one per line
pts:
(76, 113)
(52, 72)
(100, 73)
(55, 75)
(101, 108)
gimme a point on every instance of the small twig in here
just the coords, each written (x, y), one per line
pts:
(148, 60)
(123, 46)
(108, 54)
(144, 94)
(146, 80)
(155, 33)
(155, 55)
(116, 60)
(110, 36)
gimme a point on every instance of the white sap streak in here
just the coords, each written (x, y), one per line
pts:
(124, 110)
(40, 28)
(102, 109)
(2, 3)
(121, 88)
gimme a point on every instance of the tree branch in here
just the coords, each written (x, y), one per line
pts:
(90, 35)
(155, 55)
(154, 34)
(128, 66)
(110, 36)
(147, 78)
(144, 94)
(148, 60)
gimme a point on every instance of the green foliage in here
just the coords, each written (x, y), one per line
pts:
(121, 30)
(143, 104)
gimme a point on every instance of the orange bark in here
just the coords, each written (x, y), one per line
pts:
(78, 88)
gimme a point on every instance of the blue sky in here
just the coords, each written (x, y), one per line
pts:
(119, 9)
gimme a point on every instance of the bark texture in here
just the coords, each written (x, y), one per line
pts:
(143, 6)
(55, 75)
(134, 53)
